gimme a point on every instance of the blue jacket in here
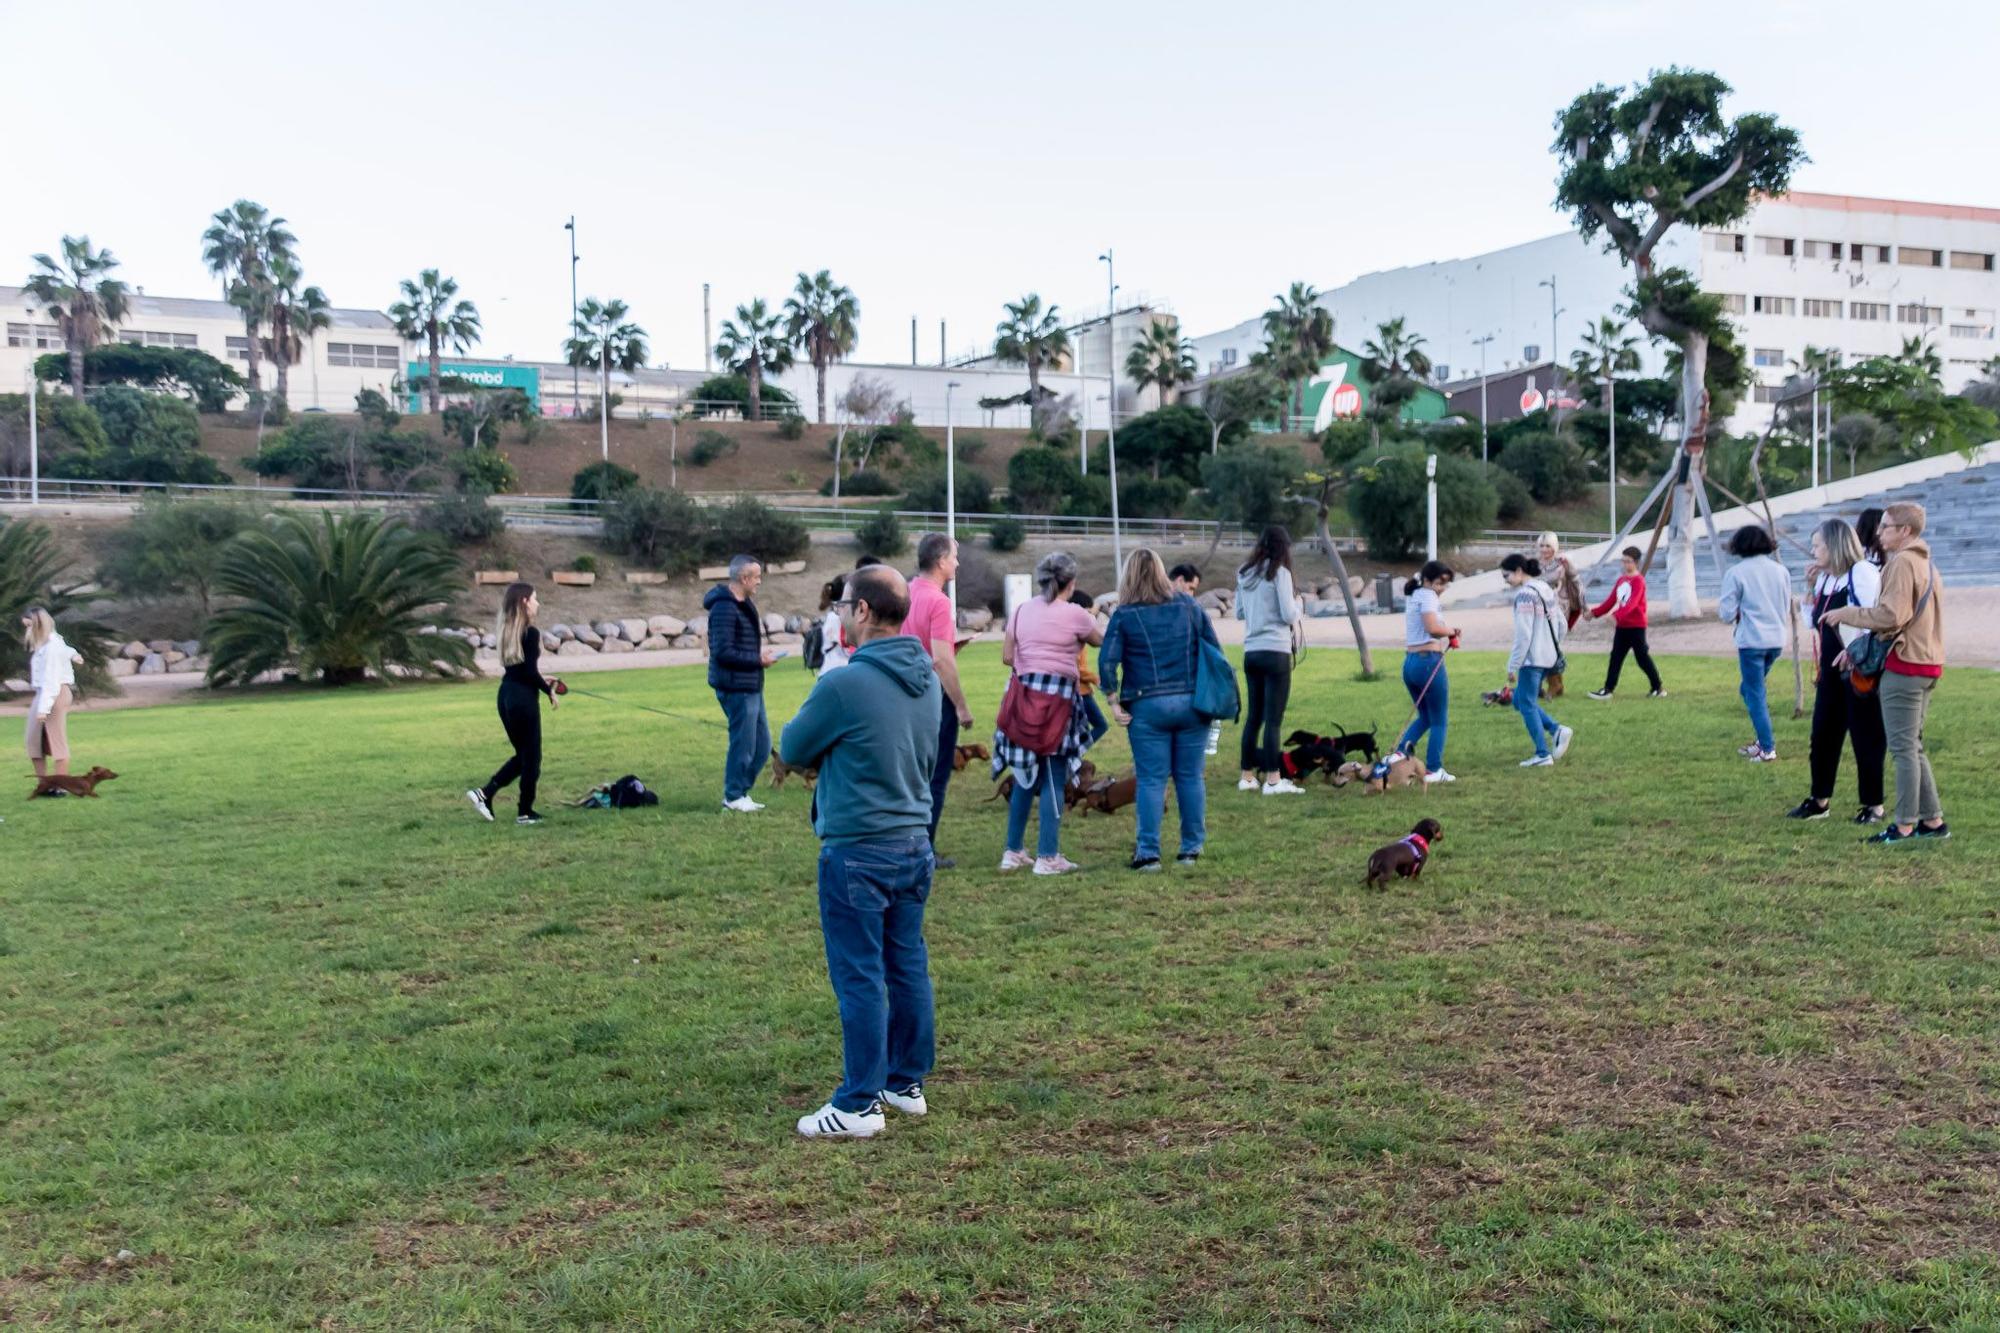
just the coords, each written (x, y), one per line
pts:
(871, 729)
(735, 642)
(1154, 646)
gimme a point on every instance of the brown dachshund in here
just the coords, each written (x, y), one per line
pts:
(965, 754)
(780, 770)
(1110, 795)
(1072, 792)
(86, 785)
(1405, 857)
(1395, 770)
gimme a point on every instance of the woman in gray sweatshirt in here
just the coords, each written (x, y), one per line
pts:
(1269, 608)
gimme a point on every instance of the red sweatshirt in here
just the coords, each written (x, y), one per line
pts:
(1630, 612)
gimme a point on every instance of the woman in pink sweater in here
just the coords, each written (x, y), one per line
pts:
(1627, 607)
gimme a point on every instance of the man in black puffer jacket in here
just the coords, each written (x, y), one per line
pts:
(737, 660)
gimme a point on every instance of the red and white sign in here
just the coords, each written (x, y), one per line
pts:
(1347, 401)
(1531, 400)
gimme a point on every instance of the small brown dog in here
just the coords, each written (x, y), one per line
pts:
(1072, 793)
(1405, 857)
(780, 770)
(1110, 795)
(965, 754)
(86, 785)
(1393, 770)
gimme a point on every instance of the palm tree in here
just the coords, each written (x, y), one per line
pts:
(820, 320)
(752, 345)
(1606, 350)
(1162, 357)
(428, 314)
(1031, 337)
(240, 246)
(85, 303)
(601, 340)
(335, 596)
(1298, 337)
(1394, 361)
(35, 572)
(296, 315)
(1918, 352)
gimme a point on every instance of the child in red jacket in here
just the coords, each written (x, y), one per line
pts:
(1627, 607)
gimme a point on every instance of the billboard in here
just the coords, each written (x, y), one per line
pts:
(494, 375)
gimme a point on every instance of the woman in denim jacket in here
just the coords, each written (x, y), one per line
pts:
(1147, 667)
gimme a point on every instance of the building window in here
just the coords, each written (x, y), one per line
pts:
(1768, 356)
(1729, 242)
(154, 338)
(366, 356)
(1970, 259)
(1816, 309)
(1918, 257)
(47, 337)
(1733, 302)
(1774, 305)
(1867, 310)
(1869, 254)
(1822, 249)
(1919, 314)
(1229, 356)
(1767, 393)
(1783, 247)
(1976, 324)
(238, 348)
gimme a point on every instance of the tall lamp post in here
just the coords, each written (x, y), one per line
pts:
(1431, 506)
(1555, 340)
(950, 495)
(575, 372)
(1111, 408)
(1611, 426)
(604, 397)
(1480, 343)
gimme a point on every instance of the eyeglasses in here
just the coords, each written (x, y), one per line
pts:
(844, 603)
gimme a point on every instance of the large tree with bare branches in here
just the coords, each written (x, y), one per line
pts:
(1635, 163)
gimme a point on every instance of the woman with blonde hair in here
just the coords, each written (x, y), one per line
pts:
(1561, 576)
(1154, 639)
(1844, 576)
(521, 680)
(52, 667)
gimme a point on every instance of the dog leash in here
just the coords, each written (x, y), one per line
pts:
(644, 708)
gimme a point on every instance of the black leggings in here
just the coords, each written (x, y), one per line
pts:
(1838, 714)
(1270, 679)
(1633, 641)
(521, 715)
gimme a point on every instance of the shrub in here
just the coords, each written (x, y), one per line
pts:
(1170, 441)
(1516, 501)
(1089, 497)
(463, 518)
(752, 527)
(865, 482)
(316, 452)
(901, 443)
(151, 437)
(720, 393)
(71, 438)
(33, 572)
(333, 596)
(1551, 465)
(486, 470)
(1387, 500)
(173, 548)
(791, 426)
(709, 446)
(881, 535)
(1006, 534)
(584, 564)
(602, 482)
(663, 529)
(406, 460)
(1038, 479)
(925, 491)
(1151, 497)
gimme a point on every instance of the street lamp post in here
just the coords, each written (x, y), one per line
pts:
(575, 372)
(604, 398)
(950, 494)
(1555, 340)
(1611, 426)
(1431, 506)
(1083, 430)
(1480, 343)
(1111, 407)
(34, 441)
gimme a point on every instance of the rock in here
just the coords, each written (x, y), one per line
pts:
(556, 633)
(653, 643)
(1311, 605)
(976, 619)
(179, 663)
(174, 655)
(134, 650)
(610, 629)
(189, 646)
(698, 628)
(154, 665)
(787, 640)
(617, 646)
(158, 645)
(635, 628)
(588, 636)
(121, 666)
(773, 623)
(1356, 584)
(1329, 610)
(575, 648)
(1216, 599)
(670, 626)
(689, 640)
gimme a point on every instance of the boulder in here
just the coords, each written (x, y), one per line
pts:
(575, 648)
(976, 618)
(178, 663)
(133, 650)
(584, 634)
(635, 629)
(786, 640)
(688, 640)
(610, 629)
(158, 645)
(121, 666)
(773, 623)
(1329, 610)
(1216, 599)
(698, 628)
(1356, 584)
(173, 655)
(556, 633)
(1311, 605)
(653, 643)
(617, 646)
(192, 647)
(667, 625)
(153, 665)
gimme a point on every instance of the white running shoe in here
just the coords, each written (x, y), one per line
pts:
(1538, 761)
(829, 1122)
(1283, 787)
(481, 804)
(1055, 865)
(1564, 736)
(1750, 751)
(1764, 757)
(1599, 695)
(1247, 784)
(742, 805)
(1015, 861)
(910, 1101)
(1439, 775)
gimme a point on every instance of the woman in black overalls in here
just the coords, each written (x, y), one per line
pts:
(521, 685)
(1842, 576)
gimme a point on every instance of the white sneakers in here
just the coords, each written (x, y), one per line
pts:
(1762, 756)
(1015, 861)
(742, 805)
(1563, 737)
(830, 1122)
(480, 803)
(1438, 775)
(1283, 787)
(1048, 865)
(1538, 761)
(1247, 784)
(910, 1101)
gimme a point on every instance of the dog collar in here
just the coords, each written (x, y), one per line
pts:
(1421, 843)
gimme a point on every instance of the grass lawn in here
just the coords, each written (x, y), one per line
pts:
(283, 1020)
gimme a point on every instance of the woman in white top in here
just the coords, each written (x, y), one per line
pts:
(1538, 635)
(1845, 577)
(834, 651)
(52, 671)
(1425, 639)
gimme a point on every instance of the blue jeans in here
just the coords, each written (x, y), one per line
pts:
(1168, 740)
(1528, 702)
(1755, 664)
(1049, 785)
(1094, 718)
(1430, 702)
(749, 740)
(942, 770)
(871, 911)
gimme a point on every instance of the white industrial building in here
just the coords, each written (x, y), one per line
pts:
(359, 351)
(1820, 270)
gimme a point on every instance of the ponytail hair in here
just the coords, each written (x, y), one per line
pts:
(1524, 564)
(1432, 571)
(513, 620)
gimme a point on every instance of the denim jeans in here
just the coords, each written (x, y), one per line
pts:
(871, 911)
(749, 740)
(1168, 740)
(941, 772)
(1755, 664)
(1049, 786)
(1094, 718)
(1431, 694)
(1528, 702)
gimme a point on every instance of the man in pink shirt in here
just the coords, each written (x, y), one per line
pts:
(930, 621)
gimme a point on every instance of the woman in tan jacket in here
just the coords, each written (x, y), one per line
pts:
(1910, 609)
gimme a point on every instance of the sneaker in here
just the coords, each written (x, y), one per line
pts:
(1889, 835)
(1564, 735)
(1283, 787)
(743, 805)
(1247, 784)
(1145, 863)
(1750, 751)
(1055, 865)
(829, 1122)
(481, 804)
(1809, 809)
(1014, 861)
(1656, 694)
(1939, 831)
(1763, 756)
(1438, 775)
(1599, 695)
(1187, 858)
(1539, 761)
(910, 1101)
(1870, 814)
(531, 817)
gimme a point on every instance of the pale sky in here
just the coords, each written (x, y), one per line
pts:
(939, 158)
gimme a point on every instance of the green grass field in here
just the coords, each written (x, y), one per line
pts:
(283, 1020)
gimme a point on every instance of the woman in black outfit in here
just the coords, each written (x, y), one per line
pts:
(521, 682)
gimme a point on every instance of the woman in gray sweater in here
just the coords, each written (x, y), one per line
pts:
(1266, 602)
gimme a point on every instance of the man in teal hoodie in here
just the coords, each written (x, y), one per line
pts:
(871, 730)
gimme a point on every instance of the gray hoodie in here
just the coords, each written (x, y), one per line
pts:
(871, 729)
(1269, 609)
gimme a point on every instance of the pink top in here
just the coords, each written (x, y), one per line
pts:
(930, 617)
(1047, 634)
